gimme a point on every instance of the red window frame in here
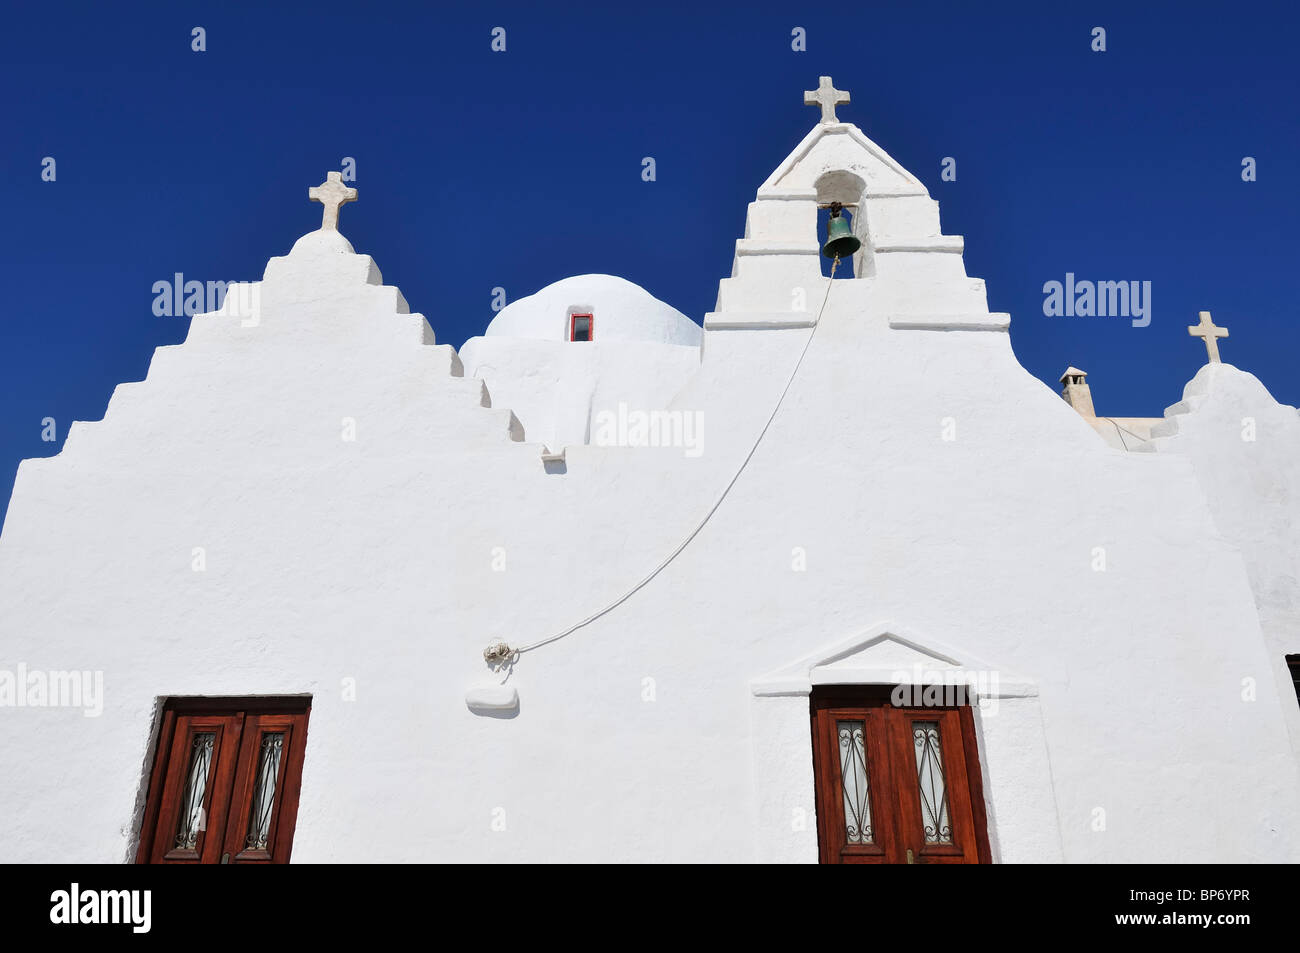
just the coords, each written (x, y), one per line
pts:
(591, 326)
(238, 725)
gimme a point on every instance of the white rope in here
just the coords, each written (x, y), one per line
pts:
(503, 653)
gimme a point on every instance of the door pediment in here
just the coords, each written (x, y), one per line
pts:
(889, 654)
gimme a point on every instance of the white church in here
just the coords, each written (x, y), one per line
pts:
(826, 577)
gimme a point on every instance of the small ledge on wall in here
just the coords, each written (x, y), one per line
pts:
(553, 462)
(943, 244)
(758, 320)
(992, 321)
(493, 701)
(760, 246)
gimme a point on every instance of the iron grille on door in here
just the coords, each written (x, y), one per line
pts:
(895, 785)
(225, 781)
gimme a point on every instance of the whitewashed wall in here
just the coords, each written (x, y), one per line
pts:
(1245, 447)
(373, 560)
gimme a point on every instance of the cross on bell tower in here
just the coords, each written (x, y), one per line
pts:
(332, 194)
(827, 97)
(1208, 331)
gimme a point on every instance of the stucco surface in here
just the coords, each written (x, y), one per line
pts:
(894, 492)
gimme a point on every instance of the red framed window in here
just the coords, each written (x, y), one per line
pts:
(225, 781)
(896, 785)
(582, 327)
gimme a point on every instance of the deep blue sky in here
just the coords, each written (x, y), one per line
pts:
(479, 169)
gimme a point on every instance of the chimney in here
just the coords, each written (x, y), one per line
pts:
(1074, 388)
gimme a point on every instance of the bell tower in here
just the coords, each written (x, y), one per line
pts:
(892, 234)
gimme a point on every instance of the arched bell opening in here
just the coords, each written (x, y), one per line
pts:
(844, 193)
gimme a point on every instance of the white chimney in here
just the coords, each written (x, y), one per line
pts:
(1074, 388)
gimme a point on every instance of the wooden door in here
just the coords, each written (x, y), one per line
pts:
(896, 785)
(225, 782)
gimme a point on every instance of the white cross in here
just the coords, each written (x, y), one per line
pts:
(827, 97)
(1209, 331)
(331, 193)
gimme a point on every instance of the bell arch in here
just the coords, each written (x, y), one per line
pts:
(893, 219)
(850, 190)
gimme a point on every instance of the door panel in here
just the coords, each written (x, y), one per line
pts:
(933, 794)
(196, 789)
(271, 747)
(225, 783)
(855, 801)
(904, 772)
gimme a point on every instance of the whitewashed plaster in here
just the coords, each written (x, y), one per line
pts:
(891, 485)
(623, 312)
(641, 354)
(1245, 447)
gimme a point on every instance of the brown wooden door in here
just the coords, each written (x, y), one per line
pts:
(896, 785)
(225, 782)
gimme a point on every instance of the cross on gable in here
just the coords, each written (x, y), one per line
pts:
(827, 97)
(1208, 331)
(332, 194)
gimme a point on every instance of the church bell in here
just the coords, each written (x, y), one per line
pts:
(840, 240)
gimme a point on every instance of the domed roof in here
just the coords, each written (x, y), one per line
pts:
(621, 311)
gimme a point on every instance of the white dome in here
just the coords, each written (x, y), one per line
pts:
(621, 311)
(322, 241)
